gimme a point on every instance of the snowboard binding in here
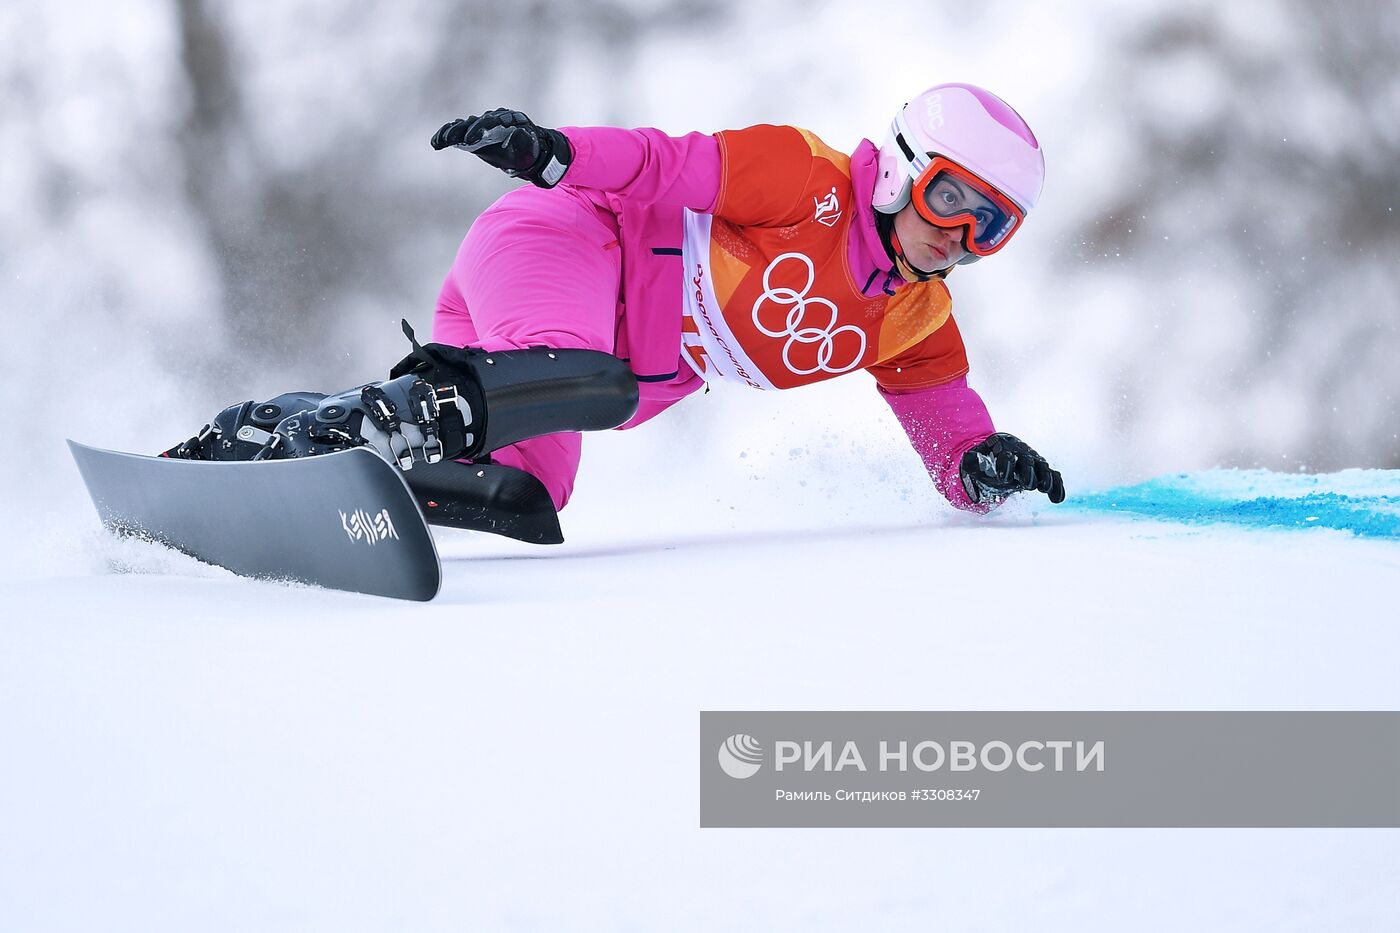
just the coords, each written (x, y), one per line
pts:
(405, 420)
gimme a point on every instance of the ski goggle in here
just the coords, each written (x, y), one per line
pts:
(948, 195)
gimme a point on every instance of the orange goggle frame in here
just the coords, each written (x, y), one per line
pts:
(984, 235)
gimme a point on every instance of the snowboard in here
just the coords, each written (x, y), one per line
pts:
(344, 521)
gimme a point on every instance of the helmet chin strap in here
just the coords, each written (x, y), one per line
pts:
(910, 272)
(884, 223)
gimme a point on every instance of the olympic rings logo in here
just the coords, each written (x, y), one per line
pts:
(796, 329)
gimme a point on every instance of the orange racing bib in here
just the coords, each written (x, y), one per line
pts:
(770, 298)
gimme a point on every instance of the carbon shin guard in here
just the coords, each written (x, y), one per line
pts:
(518, 394)
(528, 393)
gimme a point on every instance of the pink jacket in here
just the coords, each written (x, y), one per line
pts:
(638, 181)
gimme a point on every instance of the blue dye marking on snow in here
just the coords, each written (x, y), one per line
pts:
(1364, 502)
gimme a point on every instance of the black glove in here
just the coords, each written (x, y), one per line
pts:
(1003, 464)
(511, 142)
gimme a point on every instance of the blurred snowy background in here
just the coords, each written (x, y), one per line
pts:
(203, 202)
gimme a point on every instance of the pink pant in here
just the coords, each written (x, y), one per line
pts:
(538, 267)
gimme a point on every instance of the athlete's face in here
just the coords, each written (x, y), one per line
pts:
(928, 247)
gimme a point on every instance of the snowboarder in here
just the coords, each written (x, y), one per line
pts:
(639, 266)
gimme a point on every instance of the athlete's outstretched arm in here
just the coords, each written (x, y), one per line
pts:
(644, 164)
(972, 465)
(944, 422)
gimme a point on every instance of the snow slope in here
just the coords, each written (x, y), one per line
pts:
(184, 750)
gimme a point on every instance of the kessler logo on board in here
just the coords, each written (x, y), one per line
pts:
(360, 525)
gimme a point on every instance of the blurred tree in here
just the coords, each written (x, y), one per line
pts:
(1262, 149)
(318, 211)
